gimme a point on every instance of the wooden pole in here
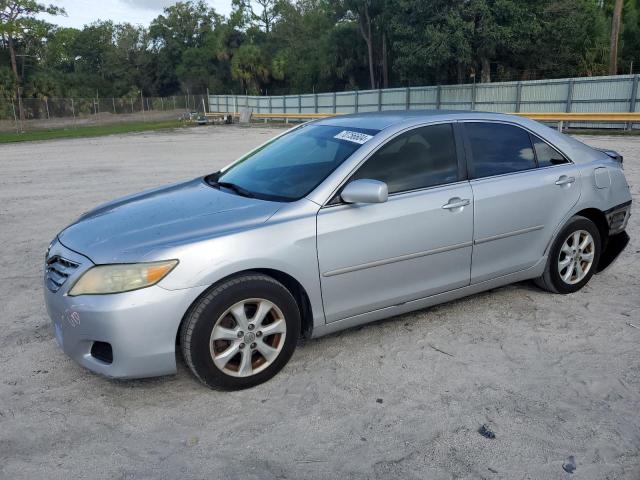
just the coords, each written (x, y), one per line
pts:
(15, 117)
(615, 36)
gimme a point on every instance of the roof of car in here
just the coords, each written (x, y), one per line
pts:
(384, 119)
(574, 149)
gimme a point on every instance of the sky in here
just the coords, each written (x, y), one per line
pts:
(82, 12)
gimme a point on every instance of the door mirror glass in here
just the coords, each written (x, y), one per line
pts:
(365, 191)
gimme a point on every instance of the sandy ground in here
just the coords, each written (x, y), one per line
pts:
(552, 376)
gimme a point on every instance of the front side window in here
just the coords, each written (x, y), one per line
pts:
(423, 157)
(291, 166)
(499, 148)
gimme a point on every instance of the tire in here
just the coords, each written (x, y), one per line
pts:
(236, 356)
(556, 277)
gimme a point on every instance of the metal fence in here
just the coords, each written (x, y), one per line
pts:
(33, 113)
(588, 94)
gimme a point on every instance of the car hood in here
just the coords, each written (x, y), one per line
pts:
(134, 227)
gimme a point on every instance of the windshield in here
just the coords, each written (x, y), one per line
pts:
(291, 166)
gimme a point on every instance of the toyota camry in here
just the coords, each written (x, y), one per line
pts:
(335, 223)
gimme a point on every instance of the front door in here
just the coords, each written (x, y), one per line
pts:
(416, 244)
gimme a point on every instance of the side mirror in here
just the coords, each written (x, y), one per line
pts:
(365, 191)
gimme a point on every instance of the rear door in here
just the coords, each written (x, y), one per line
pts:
(416, 244)
(522, 189)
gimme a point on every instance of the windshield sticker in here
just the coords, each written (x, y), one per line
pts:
(355, 137)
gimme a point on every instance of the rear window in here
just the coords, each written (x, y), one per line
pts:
(546, 154)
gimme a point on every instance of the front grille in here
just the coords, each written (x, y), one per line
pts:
(58, 269)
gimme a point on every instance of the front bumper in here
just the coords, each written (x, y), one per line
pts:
(140, 326)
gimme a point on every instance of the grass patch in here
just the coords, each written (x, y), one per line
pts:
(87, 131)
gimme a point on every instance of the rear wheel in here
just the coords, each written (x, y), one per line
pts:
(241, 333)
(573, 257)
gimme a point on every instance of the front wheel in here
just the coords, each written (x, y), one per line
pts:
(573, 258)
(241, 333)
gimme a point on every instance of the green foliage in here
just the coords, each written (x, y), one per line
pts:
(7, 83)
(299, 46)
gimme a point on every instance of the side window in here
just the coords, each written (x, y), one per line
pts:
(546, 154)
(422, 157)
(499, 148)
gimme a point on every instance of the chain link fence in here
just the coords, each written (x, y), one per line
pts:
(25, 114)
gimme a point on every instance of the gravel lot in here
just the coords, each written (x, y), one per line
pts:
(552, 376)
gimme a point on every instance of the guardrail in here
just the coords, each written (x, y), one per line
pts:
(559, 117)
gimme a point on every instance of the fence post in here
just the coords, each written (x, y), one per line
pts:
(518, 96)
(407, 98)
(131, 104)
(439, 97)
(379, 99)
(15, 117)
(634, 96)
(162, 103)
(356, 101)
(21, 113)
(334, 102)
(473, 96)
(299, 103)
(46, 105)
(570, 95)
(73, 111)
(315, 102)
(113, 100)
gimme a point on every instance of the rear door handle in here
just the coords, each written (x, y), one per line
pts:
(564, 180)
(456, 203)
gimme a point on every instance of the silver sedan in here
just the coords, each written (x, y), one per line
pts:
(333, 224)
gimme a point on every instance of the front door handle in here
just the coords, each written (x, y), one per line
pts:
(456, 203)
(564, 180)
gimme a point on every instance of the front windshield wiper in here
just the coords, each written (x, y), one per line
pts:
(231, 186)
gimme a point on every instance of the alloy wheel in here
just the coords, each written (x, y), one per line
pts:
(248, 337)
(576, 257)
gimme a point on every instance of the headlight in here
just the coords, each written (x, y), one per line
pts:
(123, 277)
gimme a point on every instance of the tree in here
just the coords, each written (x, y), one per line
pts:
(17, 17)
(301, 46)
(615, 35)
(268, 14)
(250, 67)
(364, 12)
(630, 36)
